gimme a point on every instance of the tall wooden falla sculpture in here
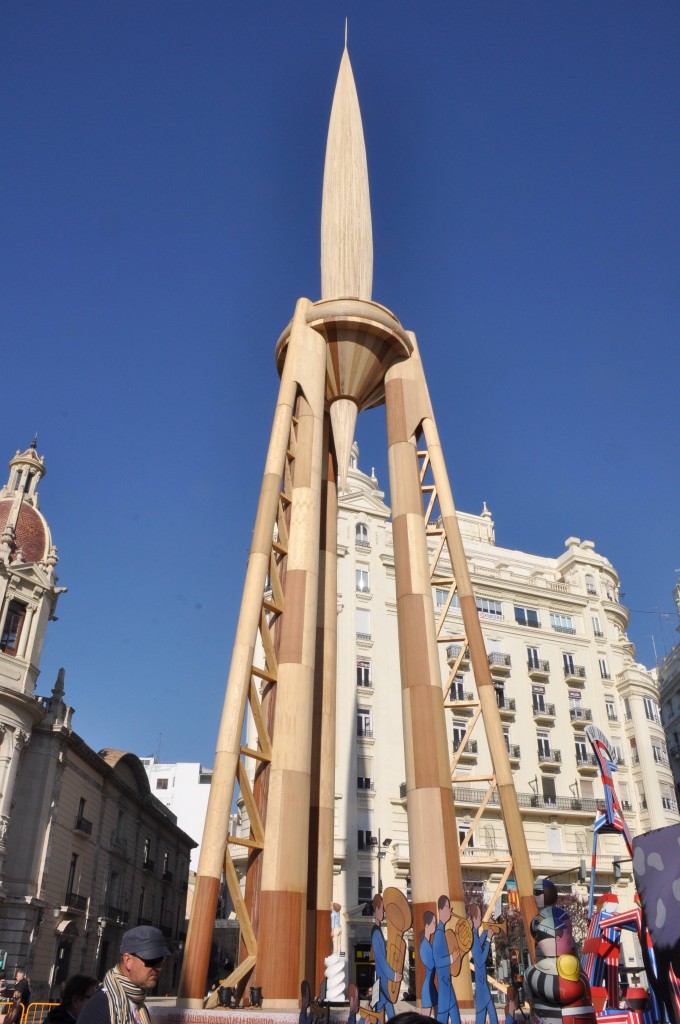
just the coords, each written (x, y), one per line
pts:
(339, 356)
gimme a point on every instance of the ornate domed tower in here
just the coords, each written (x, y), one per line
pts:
(28, 598)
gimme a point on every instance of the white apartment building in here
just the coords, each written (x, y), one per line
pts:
(556, 638)
(183, 788)
(669, 689)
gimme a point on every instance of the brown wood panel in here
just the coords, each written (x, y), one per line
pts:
(195, 971)
(279, 966)
(291, 646)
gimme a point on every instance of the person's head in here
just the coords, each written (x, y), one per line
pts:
(20, 973)
(444, 908)
(337, 908)
(475, 915)
(429, 924)
(142, 952)
(77, 991)
(378, 907)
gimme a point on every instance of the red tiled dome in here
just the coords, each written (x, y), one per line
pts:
(31, 533)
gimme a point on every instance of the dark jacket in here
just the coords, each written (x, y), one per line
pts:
(96, 1009)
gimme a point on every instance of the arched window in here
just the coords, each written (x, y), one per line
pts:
(11, 628)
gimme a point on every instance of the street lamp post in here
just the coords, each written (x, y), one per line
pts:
(380, 846)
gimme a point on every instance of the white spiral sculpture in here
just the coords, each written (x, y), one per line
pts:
(335, 979)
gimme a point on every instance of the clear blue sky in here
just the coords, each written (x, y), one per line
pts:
(162, 178)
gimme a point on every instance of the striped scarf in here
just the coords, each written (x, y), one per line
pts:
(120, 992)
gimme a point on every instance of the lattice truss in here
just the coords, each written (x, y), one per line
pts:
(261, 702)
(442, 577)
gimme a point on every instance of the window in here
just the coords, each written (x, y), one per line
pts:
(562, 623)
(364, 839)
(364, 773)
(597, 626)
(651, 709)
(71, 883)
(538, 700)
(364, 723)
(604, 668)
(543, 741)
(440, 596)
(161, 783)
(362, 583)
(11, 630)
(611, 709)
(550, 797)
(581, 748)
(659, 753)
(568, 661)
(457, 691)
(489, 609)
(459, 730)
(626, 708)
(361, 534)
(533, 659)
(527, 617)
(590, 584)
(506, 737)
(462, 832)
(500, 694)
(363, 623)
(365, 888)
(364, 673)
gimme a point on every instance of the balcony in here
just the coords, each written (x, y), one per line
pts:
(674, 751)
(167, 876)
(575, 674)
(507, 706)
(144, 920)
(500, 664)
(83, 825)
(538, 669)
(580, 717)
(564, 629)
(115, 914)
(166, 930)
(461, 702)
(514, 753)
(366, 637)
(544, 712)
(365, 733)
(469, 751)
(550, 759)
(74, 901)
(587, 764)
(584, 807)
(453, 653)
(148, 864)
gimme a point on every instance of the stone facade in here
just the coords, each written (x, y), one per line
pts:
(90, 853)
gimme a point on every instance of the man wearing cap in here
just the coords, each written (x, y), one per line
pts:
(121, 1000)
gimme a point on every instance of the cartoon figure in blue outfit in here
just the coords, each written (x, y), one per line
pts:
(481, 943)
(444, 961)
(428, 994)
(383, 971)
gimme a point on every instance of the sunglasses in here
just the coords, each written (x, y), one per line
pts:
(156, 962)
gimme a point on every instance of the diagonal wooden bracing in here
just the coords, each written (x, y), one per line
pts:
(254, 760)
(449, 569)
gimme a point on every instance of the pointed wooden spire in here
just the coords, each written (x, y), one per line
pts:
(346, 236)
